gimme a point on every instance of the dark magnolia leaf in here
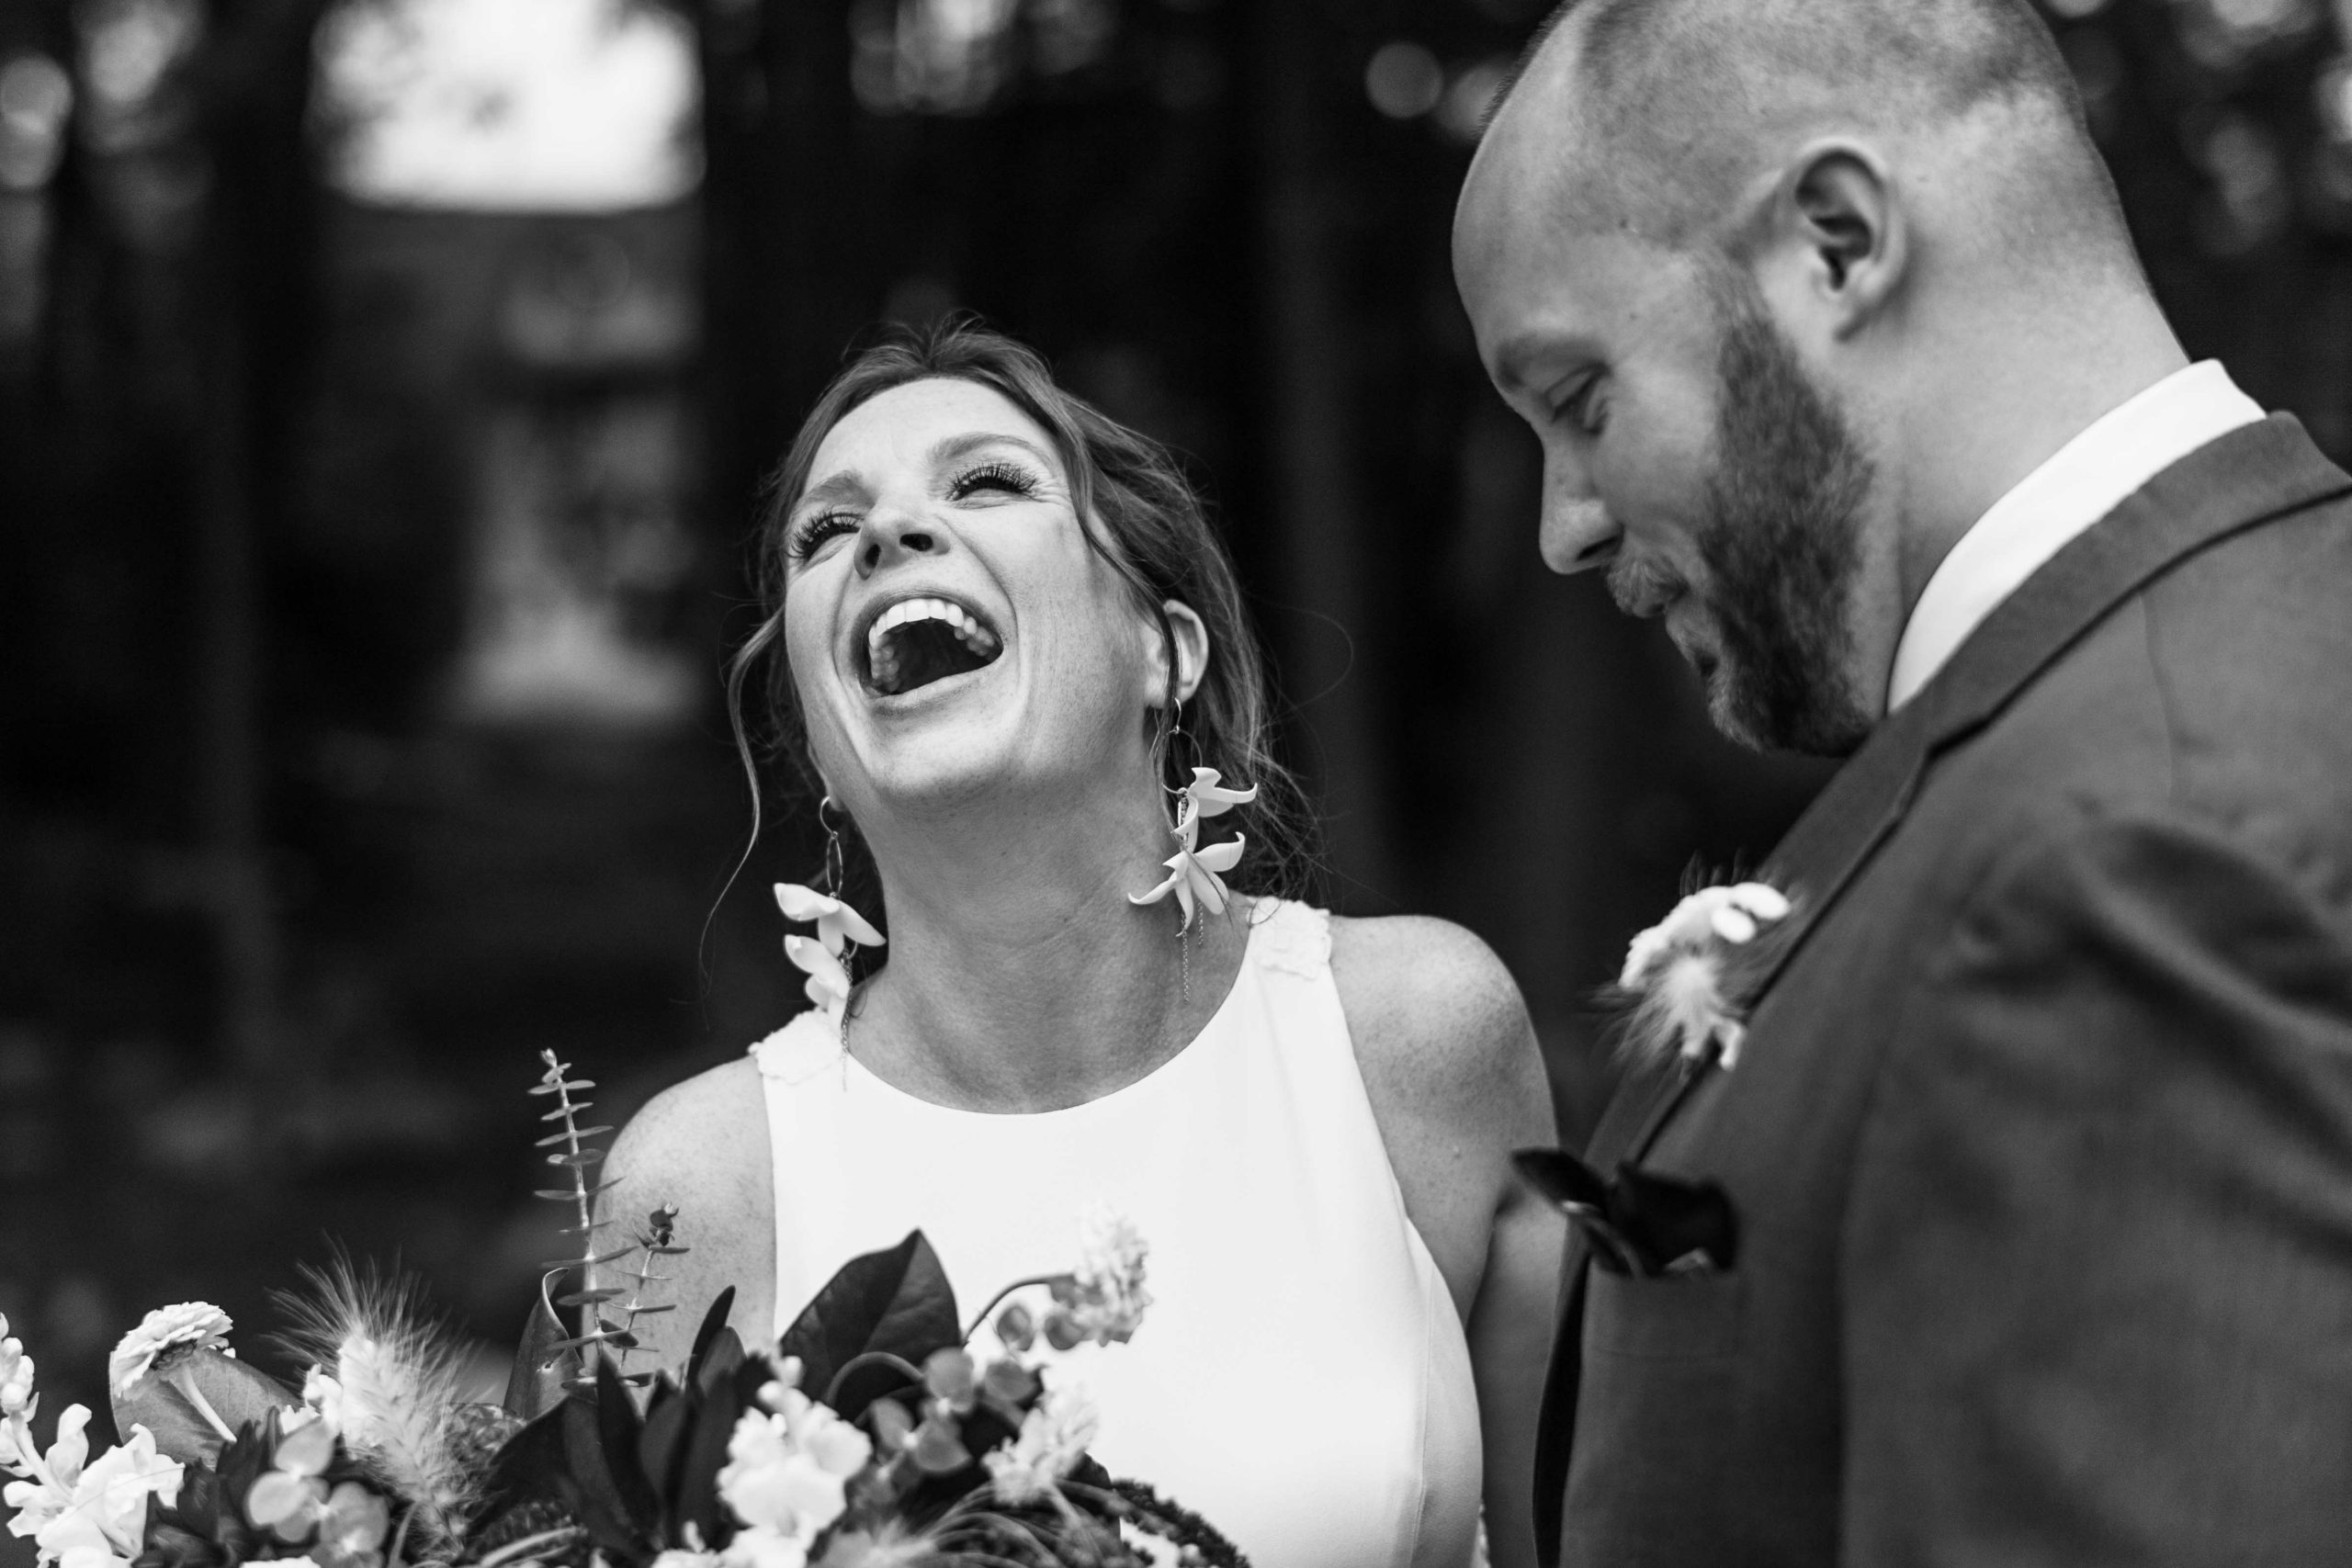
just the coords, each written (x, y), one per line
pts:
(591, 1492)
(695, 1498)
(724, 1363)
(713, 1320)
(618, 1430)
(663, 1444)
(899, 1301)
(544, 1363)
(527, 1467)
(869, 1377)
(1560, 1177)
(172, 1402)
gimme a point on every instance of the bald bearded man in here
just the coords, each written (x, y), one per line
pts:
(2035, 1240)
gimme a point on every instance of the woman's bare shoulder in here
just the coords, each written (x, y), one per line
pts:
(1433, 1008)
(1450, 1066)
(700, 1146)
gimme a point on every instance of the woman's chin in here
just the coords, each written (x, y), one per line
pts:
(920, 760)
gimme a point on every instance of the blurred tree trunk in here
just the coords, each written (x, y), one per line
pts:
(247, 307)
(787, 259)
(1329, 637)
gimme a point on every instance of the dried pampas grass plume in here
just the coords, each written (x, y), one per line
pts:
(401, 1375)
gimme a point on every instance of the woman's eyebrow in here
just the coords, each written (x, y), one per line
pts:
(954, 447)
(840, 487)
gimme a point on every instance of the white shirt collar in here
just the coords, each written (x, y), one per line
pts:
(2081, 482)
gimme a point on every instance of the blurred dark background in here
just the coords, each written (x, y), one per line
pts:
(383, 389)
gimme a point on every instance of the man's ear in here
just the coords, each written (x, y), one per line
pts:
(1840, 214)
(1191, 636)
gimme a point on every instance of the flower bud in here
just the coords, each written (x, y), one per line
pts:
(1008, 1380)
(951, 1378)
(16, 1380)
(1017, 1326)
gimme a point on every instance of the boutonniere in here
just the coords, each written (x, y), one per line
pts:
(1691, 977)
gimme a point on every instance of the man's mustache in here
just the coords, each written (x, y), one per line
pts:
(1644, 588)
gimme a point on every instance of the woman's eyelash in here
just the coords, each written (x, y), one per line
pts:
(814, 531)
(811, 533)
(991, 476)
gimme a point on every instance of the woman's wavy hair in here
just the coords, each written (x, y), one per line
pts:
(1140, 514)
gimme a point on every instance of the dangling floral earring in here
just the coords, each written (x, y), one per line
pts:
(841, 930)
(1192, 872)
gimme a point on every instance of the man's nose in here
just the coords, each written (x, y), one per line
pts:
(1578, 534)
(890, 534)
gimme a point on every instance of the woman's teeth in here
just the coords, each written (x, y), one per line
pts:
(917, 641)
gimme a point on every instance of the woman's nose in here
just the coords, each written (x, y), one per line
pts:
(890, 536)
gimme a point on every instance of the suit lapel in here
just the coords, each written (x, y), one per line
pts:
(2239, 481)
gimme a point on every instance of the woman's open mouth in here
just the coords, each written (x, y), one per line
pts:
(918, 641)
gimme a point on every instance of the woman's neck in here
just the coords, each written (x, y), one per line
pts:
(1020, 977)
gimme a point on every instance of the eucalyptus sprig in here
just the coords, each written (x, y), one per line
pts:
(575, 1155)
(656, 1238)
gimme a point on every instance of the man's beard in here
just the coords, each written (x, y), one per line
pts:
(1780, 533)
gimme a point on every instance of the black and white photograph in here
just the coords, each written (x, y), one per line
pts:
(1175, 784)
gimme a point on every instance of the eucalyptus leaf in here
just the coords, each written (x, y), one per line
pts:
(897, 1302)
(172, 1402)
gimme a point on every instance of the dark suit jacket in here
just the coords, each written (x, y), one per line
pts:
(2041, 1137)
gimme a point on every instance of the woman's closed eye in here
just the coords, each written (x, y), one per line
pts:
(999, 476)
(809, 536)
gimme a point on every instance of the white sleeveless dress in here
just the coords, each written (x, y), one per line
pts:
(1301, 1379)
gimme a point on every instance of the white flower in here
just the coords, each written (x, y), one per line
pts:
(16, 1377)
(1192, 876)
(837, 923)
(190, 1324)
(88, 1518)
(1733, 913)
(1157, 1550)
(829, 983)
(758, 1547)
(1677, 968)
(1203, 798)
(1054, 1437)
(1192, 872)
(838, 926)
(787, 1470)
(323, 1395)
(1106, 1297)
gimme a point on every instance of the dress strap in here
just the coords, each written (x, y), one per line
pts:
(799, 1051)
(1292, 937)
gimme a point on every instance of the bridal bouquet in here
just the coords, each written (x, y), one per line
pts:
(880, 1432)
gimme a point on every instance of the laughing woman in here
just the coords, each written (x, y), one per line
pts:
(1001, 636)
